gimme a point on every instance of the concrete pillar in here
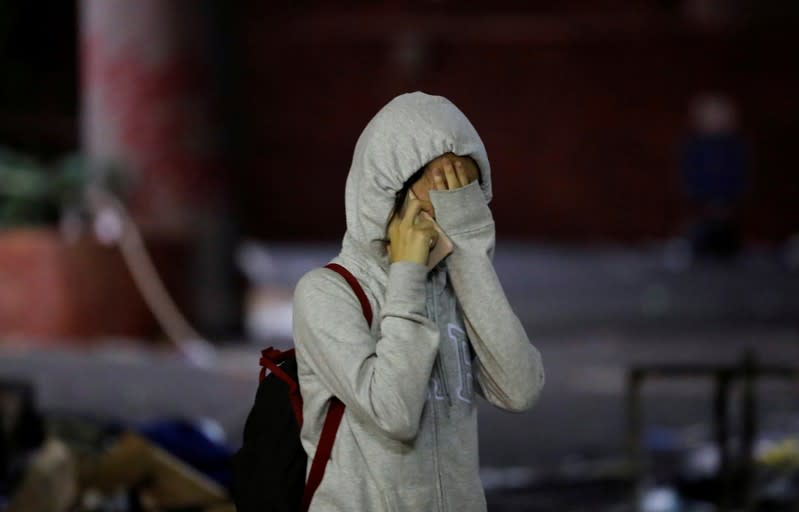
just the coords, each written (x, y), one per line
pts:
(146, 104)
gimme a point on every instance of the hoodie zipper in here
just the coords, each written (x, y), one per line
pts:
(439, 483)
(439, 365)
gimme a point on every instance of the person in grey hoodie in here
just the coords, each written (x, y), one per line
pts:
(408, 437)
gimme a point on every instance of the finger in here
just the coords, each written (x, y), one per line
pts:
(429, 216)
(425, 229)
(429, 233)
(449, 173)
(425, 221)
(414, 205)
(427, 207)
(438, 179)
(433, 238)
(423, 224)
(460, 170)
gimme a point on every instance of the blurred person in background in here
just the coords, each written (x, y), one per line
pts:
(714, 177)
(440, 336)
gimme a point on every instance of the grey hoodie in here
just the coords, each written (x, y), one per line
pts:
(408, 438)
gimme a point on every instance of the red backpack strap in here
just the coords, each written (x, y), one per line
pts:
(271, 359)
(356, 287)
(334, 413)
(336, 408)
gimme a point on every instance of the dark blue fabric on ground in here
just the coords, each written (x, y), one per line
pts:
(187, 441)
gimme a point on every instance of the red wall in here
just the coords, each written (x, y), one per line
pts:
(581, 114)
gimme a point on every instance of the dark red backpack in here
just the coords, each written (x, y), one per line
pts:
(269, 469)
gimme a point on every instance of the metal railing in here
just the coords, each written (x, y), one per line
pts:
(724, 376)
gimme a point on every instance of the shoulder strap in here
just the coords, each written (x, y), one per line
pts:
(356, 287)
(336, 409)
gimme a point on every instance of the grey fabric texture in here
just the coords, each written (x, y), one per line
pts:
(408, 439)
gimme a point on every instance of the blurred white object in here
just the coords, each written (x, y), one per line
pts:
(506, 478)
(269, 303)
(256, 262)
(660, 499)
(703, 461)
(269, 313)
(713, 114)
(108, 226)
(198, 352)
(212, 429)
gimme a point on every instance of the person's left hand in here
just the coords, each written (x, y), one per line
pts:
(460, 205)
(455, 172)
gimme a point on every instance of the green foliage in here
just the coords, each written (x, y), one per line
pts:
(33, 193)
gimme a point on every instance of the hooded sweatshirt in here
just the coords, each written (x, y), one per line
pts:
(408, 437)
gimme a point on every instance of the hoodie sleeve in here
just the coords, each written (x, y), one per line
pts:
(508, 369)
(383, 380)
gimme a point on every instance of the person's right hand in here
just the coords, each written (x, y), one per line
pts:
(411, 235)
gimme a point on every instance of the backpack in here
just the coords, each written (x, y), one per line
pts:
(269, 468)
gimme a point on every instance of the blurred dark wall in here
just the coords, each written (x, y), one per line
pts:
(39, 76)
(582, 106)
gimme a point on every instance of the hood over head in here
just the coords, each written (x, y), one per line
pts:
(407, 133)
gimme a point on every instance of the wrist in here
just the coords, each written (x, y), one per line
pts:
(406, 283)
(462, 209)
